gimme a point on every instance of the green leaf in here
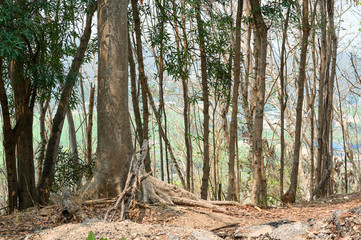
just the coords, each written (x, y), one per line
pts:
(91, 236)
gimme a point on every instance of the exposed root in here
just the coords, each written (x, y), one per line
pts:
(147, 189)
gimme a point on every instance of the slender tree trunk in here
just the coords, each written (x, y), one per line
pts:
(334, 42)
(142, 78)
(182, 58)
(165, 136)
(231, 194)
(48, 172)
(73, 144)
(283, 99)
(187, 121)
(312, 149)
(259, 188)
(72, 133)
(290, 195)
(321, 92)
(135, 98)
(160, 5)
(201, 36)
(43, 139)
(81, 83)
(161, 109)
(89, 131)
(167, 143)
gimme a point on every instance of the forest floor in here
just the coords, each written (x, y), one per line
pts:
(177, 222)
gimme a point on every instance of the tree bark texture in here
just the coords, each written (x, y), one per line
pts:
(115, 146)
(259, 185)
(25, 164)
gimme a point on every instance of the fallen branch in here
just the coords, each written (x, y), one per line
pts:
(134, 178)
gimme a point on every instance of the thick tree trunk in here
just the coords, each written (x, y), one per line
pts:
(142, 78)
(231, 194)
(26, 169)
(290, 195)
(48, 172)
(201, 39)
(115, 147)
(259, 187)
(25, 164)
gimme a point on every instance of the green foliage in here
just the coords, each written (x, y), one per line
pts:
(69, 170)
(42, 35)
(91, 236)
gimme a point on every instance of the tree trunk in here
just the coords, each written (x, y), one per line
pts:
(115, 147)
(283, 99)
(73, 143)
(324, 187)
(142, 78)
(259, 188)
(9, 143)
(167, 143)
(89, 131)
(43, 139)
(135, 98)
(187, 120)
(201, 39)
(72, 134)
(26, 169)
(290, 195)
(231, 194)
(25, 163)
(183, 63)
(321, 92)
(47, 177)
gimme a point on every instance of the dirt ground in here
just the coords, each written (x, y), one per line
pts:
(159, 222)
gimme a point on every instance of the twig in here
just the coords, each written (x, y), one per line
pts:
(134, 178)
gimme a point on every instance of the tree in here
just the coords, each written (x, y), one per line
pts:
(259, 185)
(231, 194)
(328, 72)
(283, 98)
(142, 78)
(290, 195)
(205, 98)
(115, 146)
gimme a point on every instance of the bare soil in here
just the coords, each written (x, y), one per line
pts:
(162, 222)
